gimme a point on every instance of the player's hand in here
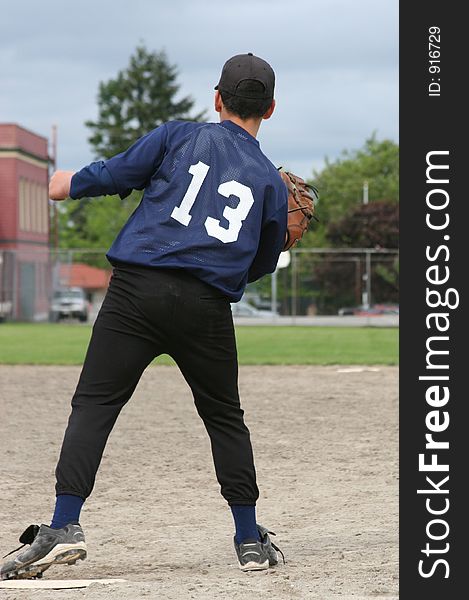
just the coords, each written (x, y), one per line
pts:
(59, 185)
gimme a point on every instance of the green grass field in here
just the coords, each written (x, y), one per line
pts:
(60, 344)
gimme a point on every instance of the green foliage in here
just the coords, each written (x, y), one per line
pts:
(390, 274)
(340, 184)
(372, 225)
(337, 281)
(366, 226)
(142, 97)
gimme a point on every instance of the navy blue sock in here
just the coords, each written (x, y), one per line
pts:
(245, 523)
(67, 510)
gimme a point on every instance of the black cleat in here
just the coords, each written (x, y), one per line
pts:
(252, 556)
(255, 555)
(48, 546)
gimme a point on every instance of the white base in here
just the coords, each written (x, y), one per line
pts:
(53, 584)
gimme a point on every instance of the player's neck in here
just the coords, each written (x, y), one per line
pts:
(250, 125)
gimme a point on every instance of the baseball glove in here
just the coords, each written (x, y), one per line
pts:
(301, 205)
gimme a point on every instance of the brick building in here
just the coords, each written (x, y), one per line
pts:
(24, 224)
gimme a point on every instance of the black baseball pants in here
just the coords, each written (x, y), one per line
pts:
(148, 312)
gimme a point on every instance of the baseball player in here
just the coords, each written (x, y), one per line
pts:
(212, 218)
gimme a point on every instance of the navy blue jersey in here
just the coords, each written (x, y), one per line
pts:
(213, 203)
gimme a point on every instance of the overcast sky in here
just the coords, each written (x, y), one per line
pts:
(336, 63)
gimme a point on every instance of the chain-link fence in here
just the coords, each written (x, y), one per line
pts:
(327, 281)
(309, 281)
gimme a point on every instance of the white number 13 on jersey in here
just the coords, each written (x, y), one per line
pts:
(234, 216)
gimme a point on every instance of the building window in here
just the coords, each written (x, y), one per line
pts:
(44, 198)
(33, 204)
(21, 204)
(27, 204)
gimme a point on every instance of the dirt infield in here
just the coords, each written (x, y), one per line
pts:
(326, 447)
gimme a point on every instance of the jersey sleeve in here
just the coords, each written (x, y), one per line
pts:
(272, 240)
(129, 170)
(92, 180)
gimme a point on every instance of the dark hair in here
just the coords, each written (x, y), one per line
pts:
(246, 108)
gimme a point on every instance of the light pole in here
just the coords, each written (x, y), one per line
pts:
(366, 295)
(365, 192)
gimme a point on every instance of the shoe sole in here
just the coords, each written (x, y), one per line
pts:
(62, 554)
(254, 566)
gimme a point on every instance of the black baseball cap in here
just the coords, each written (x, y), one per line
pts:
(247, 66)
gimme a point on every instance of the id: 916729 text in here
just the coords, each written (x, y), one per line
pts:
(434, 87)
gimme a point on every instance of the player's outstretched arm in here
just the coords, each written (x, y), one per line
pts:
(127, 171)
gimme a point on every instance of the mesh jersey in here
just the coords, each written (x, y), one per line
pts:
(213, 203)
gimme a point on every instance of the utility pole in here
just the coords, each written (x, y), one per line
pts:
(366, 295)
(55, 215)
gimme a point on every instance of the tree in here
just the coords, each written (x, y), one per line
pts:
(373, 225)
(142, 97)
(333, 281)
(367, 226)
(340, 184)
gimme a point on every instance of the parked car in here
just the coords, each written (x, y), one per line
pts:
(375, 310)
(260, 302)
(69, 303)
(244, 309)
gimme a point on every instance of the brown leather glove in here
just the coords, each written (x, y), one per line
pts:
(301, 206)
